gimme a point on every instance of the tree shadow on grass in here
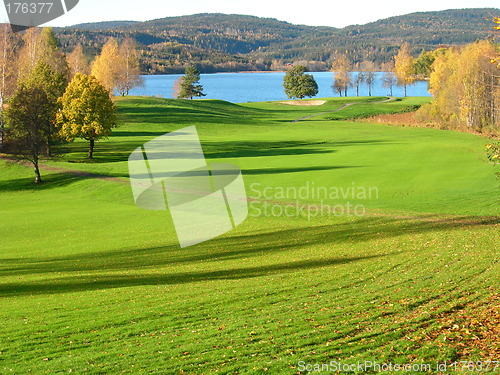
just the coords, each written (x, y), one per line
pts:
(53, 181)
(236, 248)
(278, 148)
(292, 170)
(85, 283)
(139, 133)
(50, 181)
(59, 180)
(120, 151)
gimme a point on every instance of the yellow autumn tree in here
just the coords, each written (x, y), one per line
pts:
(464, 85)
(107, 66)
(497, 91)
(443, 86)
(8, 76)
(497, 59)
(41, 45)
(86, 111)
(78, 62)
(129, 75)
(404, 67)
(29, 53)
(342, 69)
(477, 85)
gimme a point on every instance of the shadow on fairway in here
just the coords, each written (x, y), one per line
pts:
(53, 181)
(75, 269)
(96, 282)
(119, 151)
(50, 181)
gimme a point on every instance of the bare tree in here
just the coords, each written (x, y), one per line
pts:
(176, 90)
(389, 81)
(359, 79)
(368, 67)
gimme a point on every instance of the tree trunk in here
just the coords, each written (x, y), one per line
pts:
(1, 133)
(405, 91)
(48, 151)
(357, 90)
(38, 178)
(2, 126)
(91, 149)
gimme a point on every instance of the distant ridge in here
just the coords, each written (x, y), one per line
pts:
(102, 25)
(221, 42)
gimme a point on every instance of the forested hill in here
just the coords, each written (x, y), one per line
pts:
(220, 42)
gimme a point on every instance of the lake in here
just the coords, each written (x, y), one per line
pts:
(257, 87)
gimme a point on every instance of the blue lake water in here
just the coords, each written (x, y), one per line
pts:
(257, 87)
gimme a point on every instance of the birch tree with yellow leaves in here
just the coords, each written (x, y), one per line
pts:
(106, 67)
(342, 69)
(465, 86)
(129, 76)
(78, 62)
(117, 67)
(404, 67)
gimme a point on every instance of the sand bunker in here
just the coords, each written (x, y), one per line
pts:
(304, 102)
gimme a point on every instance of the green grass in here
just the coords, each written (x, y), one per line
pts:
(92, 284)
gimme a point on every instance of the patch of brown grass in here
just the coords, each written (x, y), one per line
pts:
(398, 119)
(411, 119)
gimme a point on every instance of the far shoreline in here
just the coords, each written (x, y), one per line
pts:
(253, 71)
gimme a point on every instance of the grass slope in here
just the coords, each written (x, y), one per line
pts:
(92, 284)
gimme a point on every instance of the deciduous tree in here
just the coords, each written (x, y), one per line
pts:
(78, 62)
(176, 90)
(87, 111)
(297, 84)
(41, 45)
(404, 67)
(342, 69)
(497, 58)
(130, 74)
(8, 76)
(29, 53)
(464, 85)
(107, 66)
(359, 79)
(28, 116)
(423, 64)
(477, 81)
(368, 68)
(51, 54)
(389, 81)
(53, 83)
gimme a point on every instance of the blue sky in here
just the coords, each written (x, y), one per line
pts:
(317, 13)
